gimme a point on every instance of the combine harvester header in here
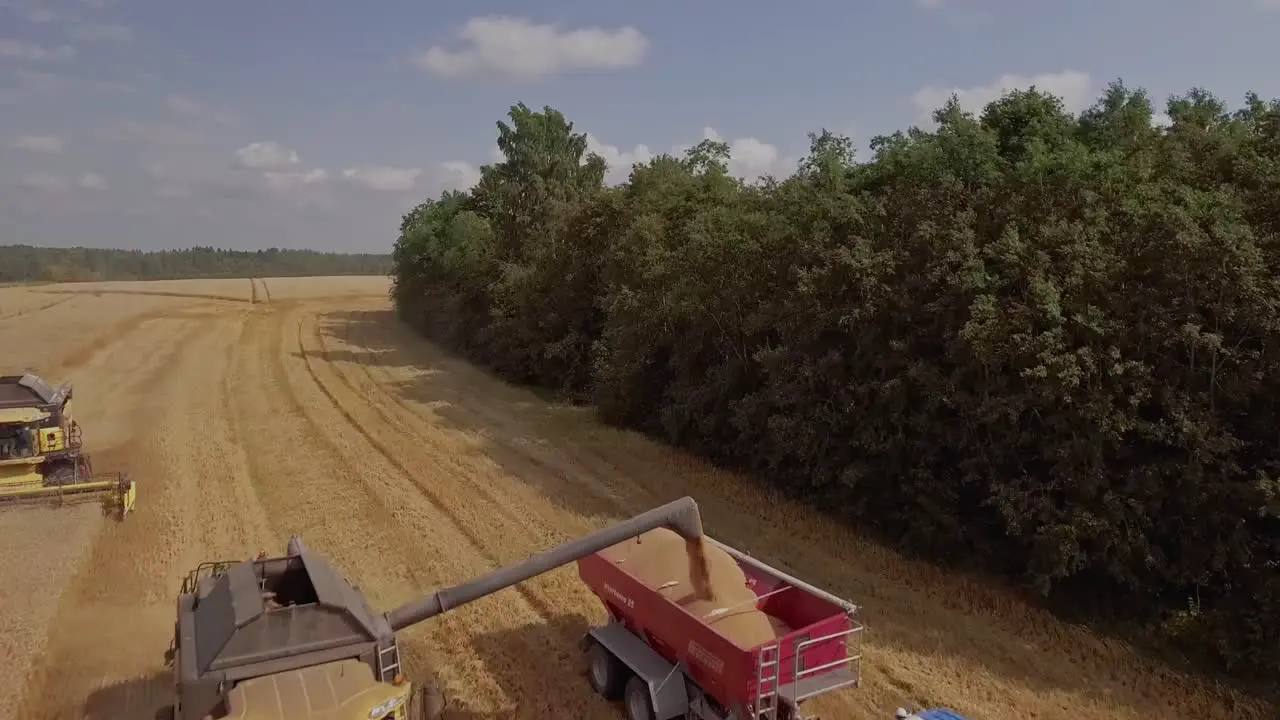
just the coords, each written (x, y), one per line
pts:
(41, 449)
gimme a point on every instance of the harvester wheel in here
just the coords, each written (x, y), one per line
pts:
(606, 673)
(636, 700)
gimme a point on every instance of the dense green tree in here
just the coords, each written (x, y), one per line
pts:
(1041, 342)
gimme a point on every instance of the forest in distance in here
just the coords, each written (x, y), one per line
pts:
(26, 263)
(1041, 342)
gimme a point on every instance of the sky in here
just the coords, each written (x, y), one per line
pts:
(153, 124)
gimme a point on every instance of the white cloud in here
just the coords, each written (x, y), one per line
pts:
(383, 178)
(1267, 5)
(39, 143)
(152, 134)
(91, 181)
(618, 159)
(459, 175)
(519, 48)
(749, 157)
(42, 182)
(290, 180)
(32, 13)
(1074, 87)
(114, 86)
(192, 108)
(184, 105)
(45, 83)
(22, 50)
(268, 155)
(930, 4)
(93, 31)
(45, 183)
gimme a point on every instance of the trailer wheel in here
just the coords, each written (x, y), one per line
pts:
(606, 672)
(636, 700)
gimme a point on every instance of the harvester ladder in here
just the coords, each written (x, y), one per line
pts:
(387, 670)
(767, 670)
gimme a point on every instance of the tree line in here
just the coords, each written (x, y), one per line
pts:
(1040, 341)
(24, 263)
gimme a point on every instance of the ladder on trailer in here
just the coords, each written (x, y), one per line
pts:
(768, 671)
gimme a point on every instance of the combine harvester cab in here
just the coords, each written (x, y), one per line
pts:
(665, 663)
(41, 450)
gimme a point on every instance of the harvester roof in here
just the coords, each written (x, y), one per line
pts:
(19, 391)
(271, 608)
(21, 416)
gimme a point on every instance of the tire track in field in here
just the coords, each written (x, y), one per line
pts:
(404, 560)
(511, 633)
(467, 473)
(521, 523)
(300, 469)
(36, 585)
(561, 471)
(513, 436)
(107, 340)
(106, 645)
(420, 552)
(494, 552)
(511, 440)
(28, 312)
(150, 293)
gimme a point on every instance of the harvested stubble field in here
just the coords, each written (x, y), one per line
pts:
(316, 413)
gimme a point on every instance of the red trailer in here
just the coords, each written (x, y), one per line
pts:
(664, 662)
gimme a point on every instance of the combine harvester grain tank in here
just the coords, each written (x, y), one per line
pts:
(41, 449)
(287, 637)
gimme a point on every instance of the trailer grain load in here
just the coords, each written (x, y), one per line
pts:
(703, 580)
(757, 646)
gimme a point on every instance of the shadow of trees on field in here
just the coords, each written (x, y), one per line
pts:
(912, 609)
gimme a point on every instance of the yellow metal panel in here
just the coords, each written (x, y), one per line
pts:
(341, 690)
(52, 440)
(19, 476)
(20, 461)
(22, 416)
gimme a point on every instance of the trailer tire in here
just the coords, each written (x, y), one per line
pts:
(637, 703)
(605, 672)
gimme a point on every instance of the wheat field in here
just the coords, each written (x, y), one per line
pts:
(251, 410)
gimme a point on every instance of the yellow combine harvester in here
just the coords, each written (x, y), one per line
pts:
(41, 454)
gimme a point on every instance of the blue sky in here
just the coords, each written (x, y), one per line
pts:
(152, 124)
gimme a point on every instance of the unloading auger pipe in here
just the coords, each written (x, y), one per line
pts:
(682, 516)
